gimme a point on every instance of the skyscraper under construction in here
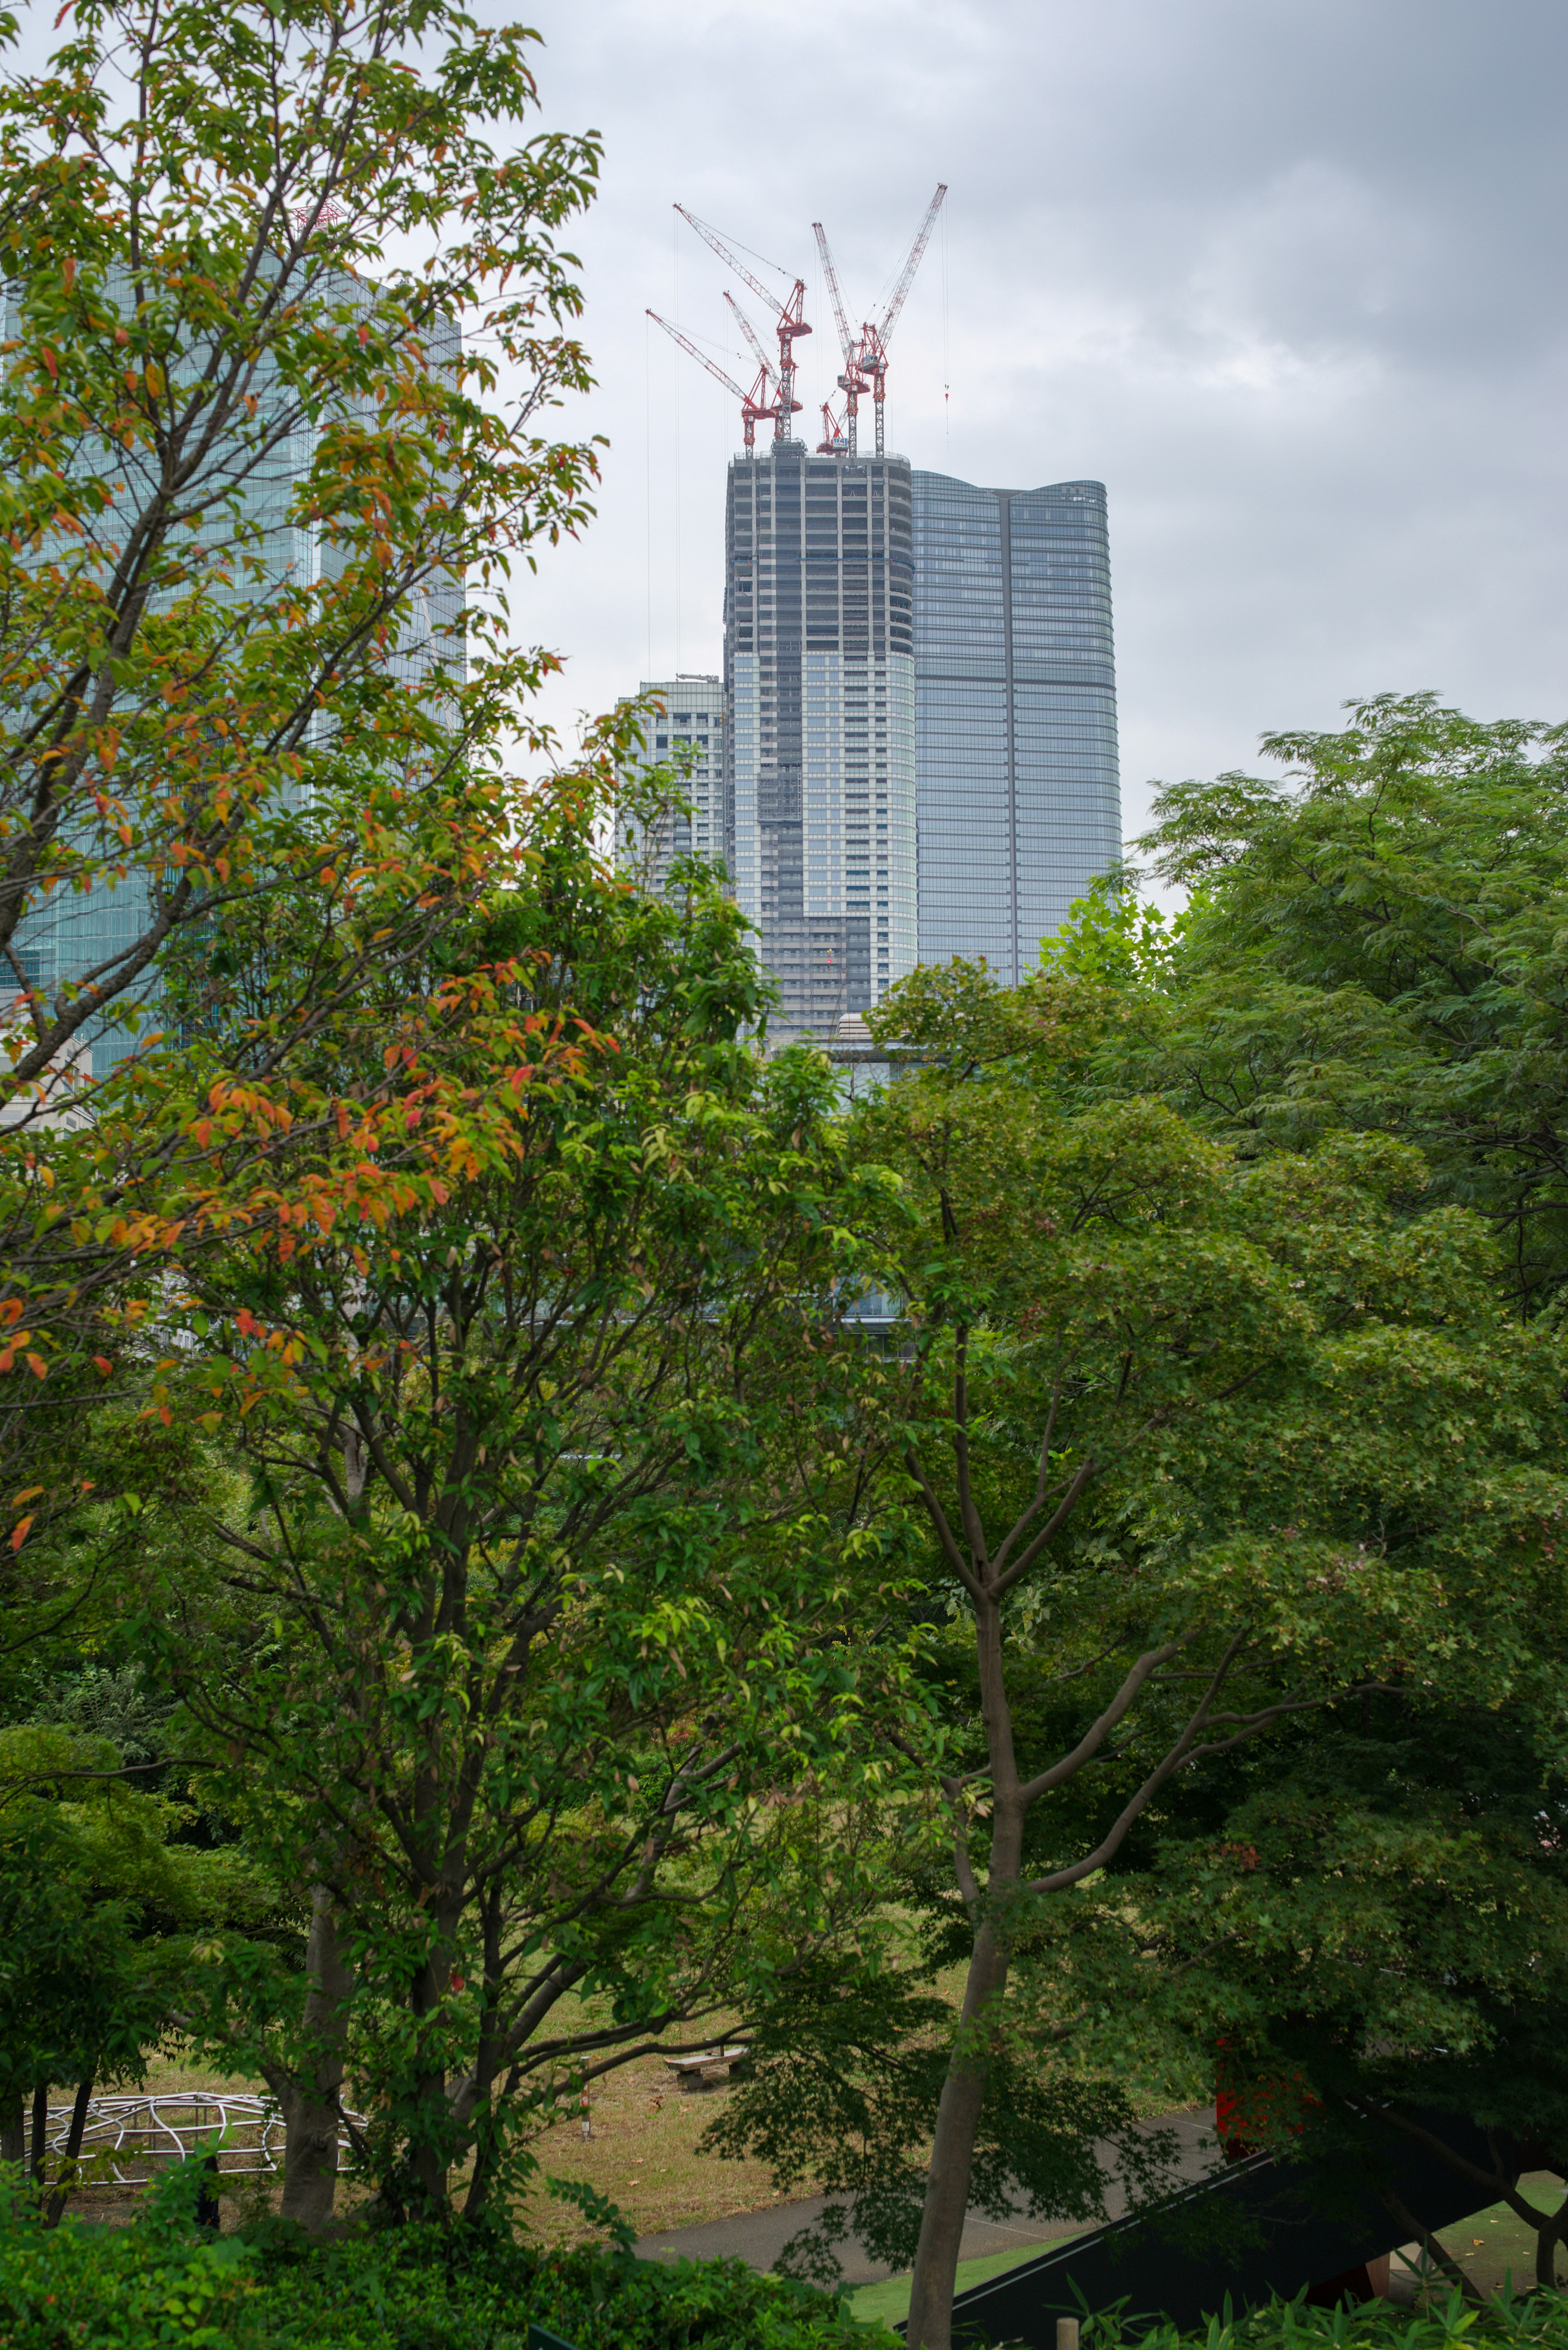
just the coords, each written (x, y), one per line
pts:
(819, 681)
(920, 759)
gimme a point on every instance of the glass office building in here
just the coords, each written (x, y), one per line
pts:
(251, 544)
(819, 686)
(1018, 800)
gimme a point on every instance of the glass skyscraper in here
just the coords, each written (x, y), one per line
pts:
(248, 545)
(819, 684)
(1017, 789)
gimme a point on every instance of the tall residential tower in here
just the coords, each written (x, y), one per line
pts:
(692, 725)
(1015, 713)
(819, 678)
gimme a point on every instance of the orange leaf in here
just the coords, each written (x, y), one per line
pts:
(19, 1533)
(37, 1366)
(104, 1364)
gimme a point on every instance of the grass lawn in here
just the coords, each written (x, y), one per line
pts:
(1496, 2243)
(889, 2301)
(641, 2153)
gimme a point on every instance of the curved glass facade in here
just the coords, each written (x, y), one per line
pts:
(1018, 801)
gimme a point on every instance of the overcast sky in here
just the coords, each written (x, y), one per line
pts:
(1287, 276)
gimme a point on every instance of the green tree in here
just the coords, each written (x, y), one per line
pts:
(1376, 943)
(101, 1897)
(284, 307)
(1212, 1442)
(1369, 1916)
(568, 1579)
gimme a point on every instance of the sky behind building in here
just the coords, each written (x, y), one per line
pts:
(1286, 275)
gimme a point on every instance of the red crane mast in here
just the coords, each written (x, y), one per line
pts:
(873, 354)
(852, 382)
(791, 313)
(755, 408)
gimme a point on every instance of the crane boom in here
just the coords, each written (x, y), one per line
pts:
(711, 237)
(750, 333)
(907, 275)
(702, 358)
(791, 317)
(854, 380)
(754, 407)
(873, 352)
(845, 337)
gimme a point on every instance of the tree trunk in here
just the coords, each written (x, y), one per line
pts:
(1547, 2239)
(14, 2130)
(953, 2157)
(1414, 2232)
(40, 2130)
(73, 2147)
(309, 2100)
(931, 2318)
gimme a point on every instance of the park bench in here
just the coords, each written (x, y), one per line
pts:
(688, 2070)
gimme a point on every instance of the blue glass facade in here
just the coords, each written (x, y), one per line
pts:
(250, 543)
(1017, 791)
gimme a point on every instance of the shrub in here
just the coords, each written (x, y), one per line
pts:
(162, 2282)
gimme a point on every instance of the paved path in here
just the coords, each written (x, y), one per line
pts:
(758, 2237)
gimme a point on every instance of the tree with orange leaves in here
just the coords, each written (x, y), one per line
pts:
(280, 318)
(538, 1645)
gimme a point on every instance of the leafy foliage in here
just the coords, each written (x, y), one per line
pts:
(285, 304)
(1374, 1926)
(1376, 943)
(564, 1567)
(1204, 1445)
(164, 2281)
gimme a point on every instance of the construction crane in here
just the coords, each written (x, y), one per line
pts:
(852, 382)
(791, 314)
(835, 440)
(750, 332)
(866, 355)
(755, 407)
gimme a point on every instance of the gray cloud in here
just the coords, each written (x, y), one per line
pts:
(1287, 277)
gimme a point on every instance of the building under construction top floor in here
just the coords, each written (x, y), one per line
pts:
(819, 678)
